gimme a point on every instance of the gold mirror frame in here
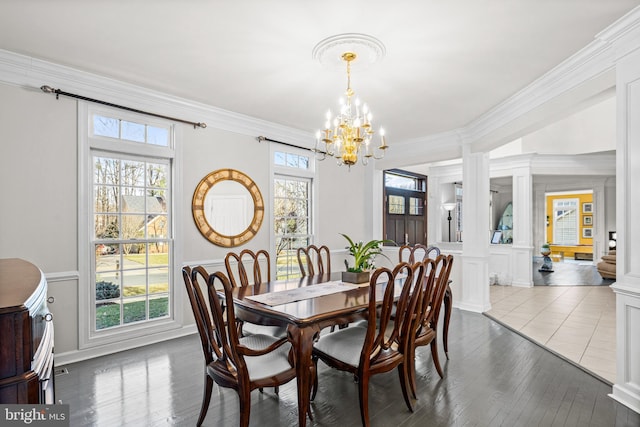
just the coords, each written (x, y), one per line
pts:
(197, 208)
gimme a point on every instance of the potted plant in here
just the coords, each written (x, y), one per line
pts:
(363, 259)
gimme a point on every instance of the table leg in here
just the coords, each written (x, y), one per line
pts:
(448, 303)
(302, 340)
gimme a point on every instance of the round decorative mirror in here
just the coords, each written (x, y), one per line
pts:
(227, 207)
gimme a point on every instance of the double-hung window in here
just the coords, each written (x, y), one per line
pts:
(293, 173)
(127, 231)
(565, 221)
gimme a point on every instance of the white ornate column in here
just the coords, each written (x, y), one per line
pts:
(474, 289)
(627, 287)
(522, 248)
(434, 210)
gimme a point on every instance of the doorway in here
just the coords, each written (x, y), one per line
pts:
(405, 218)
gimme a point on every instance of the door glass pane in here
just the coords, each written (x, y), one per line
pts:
(416, 206)
(396, 205)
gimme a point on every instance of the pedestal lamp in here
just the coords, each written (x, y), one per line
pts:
(449, 207)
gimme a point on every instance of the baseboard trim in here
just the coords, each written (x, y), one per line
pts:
(93, 352)
(622, 395)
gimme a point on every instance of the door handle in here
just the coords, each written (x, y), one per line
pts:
(406, 238)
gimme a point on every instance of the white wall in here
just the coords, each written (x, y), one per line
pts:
(38, 178)
(588, 131)
(38, 197)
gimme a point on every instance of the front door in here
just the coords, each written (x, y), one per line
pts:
(405, 216)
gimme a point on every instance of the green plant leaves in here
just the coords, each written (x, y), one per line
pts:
(364, 253)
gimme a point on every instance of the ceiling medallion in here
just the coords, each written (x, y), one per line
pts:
(330, 50)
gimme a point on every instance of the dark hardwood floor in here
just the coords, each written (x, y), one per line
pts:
(495, 378)
(569, 273)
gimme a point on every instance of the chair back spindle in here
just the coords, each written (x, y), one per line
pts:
(237, 263)
(314, 260)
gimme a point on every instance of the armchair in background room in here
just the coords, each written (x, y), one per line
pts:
(607, 267)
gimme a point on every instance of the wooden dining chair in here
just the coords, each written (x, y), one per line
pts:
(372, 348)
(418, 253)
(427, 327)
(237, 263)
(314, 260)
(259, 264)
(241, 363)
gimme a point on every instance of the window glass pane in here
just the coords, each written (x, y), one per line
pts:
(157, 175)
(157, 227)
(134, 282)
(304, 162)
(133, 174)
(415, 206)
(106, 171)
(292, 160)
(134, 309)
(132, 227)
(135, 203)
(105, 198)
(158, 136)
(401, 181)
(396, 205)
(133, 131)
(158, 306)
(158, 280)
(279, 158)
(107, 314)
(106, 126)
(107, 285)
(107, 257)
(106, 227)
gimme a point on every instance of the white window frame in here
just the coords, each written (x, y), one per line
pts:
(89, 145)
(276, 171)
(576, 204)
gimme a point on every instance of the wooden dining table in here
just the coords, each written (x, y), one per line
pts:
(304, 319)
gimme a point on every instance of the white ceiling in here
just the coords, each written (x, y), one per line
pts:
(447, 62)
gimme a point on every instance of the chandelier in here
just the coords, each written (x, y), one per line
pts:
(349, 134)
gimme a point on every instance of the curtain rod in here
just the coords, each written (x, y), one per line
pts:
(58, 92)
(264, 138)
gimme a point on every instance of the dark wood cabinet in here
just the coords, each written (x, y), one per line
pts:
(26, 335)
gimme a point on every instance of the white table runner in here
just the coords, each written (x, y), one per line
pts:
(305, 292)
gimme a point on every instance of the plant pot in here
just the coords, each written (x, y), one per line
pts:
(351, 277)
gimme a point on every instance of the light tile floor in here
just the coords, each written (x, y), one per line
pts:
(577, 322)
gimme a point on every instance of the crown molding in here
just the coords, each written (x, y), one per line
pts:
(31, 73)
(624, 33)
(603, 164)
